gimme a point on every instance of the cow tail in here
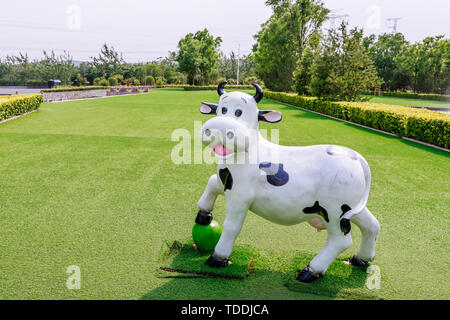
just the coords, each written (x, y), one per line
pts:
(368, 178)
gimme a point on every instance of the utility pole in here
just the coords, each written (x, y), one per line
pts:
(393, 23)
(239, 64)
(333, 17)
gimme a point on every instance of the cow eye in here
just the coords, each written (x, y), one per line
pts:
(224, 110)
(238, 112)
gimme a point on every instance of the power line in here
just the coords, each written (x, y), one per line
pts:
(63, 28)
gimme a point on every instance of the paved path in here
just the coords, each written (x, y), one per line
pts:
(13, 90)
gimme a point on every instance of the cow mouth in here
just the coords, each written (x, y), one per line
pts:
(221, 151)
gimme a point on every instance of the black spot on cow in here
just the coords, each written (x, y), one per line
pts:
(226, 178)
(345, 226)
(317, 209)
(345, 223)
(276, 177)
(345, 208)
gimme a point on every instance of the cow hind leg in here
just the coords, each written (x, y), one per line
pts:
(337, 242)
(370, 228)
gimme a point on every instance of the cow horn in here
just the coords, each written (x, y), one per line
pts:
(220, 88)
(259, 93)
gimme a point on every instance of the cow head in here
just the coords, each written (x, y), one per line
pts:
(236, 121)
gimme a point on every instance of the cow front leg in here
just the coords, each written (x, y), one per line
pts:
(206, 202)
(337, 242)
(235, 216)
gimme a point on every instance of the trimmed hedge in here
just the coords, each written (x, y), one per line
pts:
(76, 89)
(15, 105)
(412, 95)
(195, 88)
(420, 124)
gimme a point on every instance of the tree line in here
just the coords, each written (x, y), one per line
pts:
(292, 53)
(198, 62)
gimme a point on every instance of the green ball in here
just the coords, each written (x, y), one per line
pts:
(206, 237)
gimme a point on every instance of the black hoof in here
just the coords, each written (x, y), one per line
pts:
(203, 218)
(307, 275)
(357, 262)
(217, 262)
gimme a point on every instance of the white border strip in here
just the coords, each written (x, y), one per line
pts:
(363, 126)
(119, 95)
(19, 116)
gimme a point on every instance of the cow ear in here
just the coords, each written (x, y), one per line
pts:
(208, 108)
(270, 116)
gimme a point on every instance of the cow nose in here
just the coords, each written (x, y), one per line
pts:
(230, 135)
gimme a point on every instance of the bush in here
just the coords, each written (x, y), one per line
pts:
(420, 124)
(113, 81)
(98, 81)
(76, 89)
(422, 96)
(194, 88)
(15, 105)
(131, 82)
(250, 80)
(149, 81)
(104, 83)
(83, 81)
(160, 81)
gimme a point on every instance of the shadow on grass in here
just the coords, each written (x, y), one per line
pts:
(426, 148)
(341, 280)
(181, 259)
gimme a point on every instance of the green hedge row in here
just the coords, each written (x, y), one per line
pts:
(194, 88)
(76, 89)
(412, 95)
(15, 105)
(420, 124)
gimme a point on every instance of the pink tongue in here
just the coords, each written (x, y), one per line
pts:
(221, 150)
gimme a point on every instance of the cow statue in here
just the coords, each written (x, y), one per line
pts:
(325, 185)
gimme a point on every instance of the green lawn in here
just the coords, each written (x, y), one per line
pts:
(91, 183)
(410, 102)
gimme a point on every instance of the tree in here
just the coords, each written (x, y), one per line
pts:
(383, 53)
(343, 70)
(109, 62)
(283, 38)
(303, 72)
(228, 67)
(198, 57)
(58, 67)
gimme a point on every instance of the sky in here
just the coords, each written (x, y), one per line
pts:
(147, 29)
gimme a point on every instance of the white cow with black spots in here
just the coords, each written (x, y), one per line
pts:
(325, 185)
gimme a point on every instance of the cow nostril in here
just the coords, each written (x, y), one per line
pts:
(230, 135)
(207, 132)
